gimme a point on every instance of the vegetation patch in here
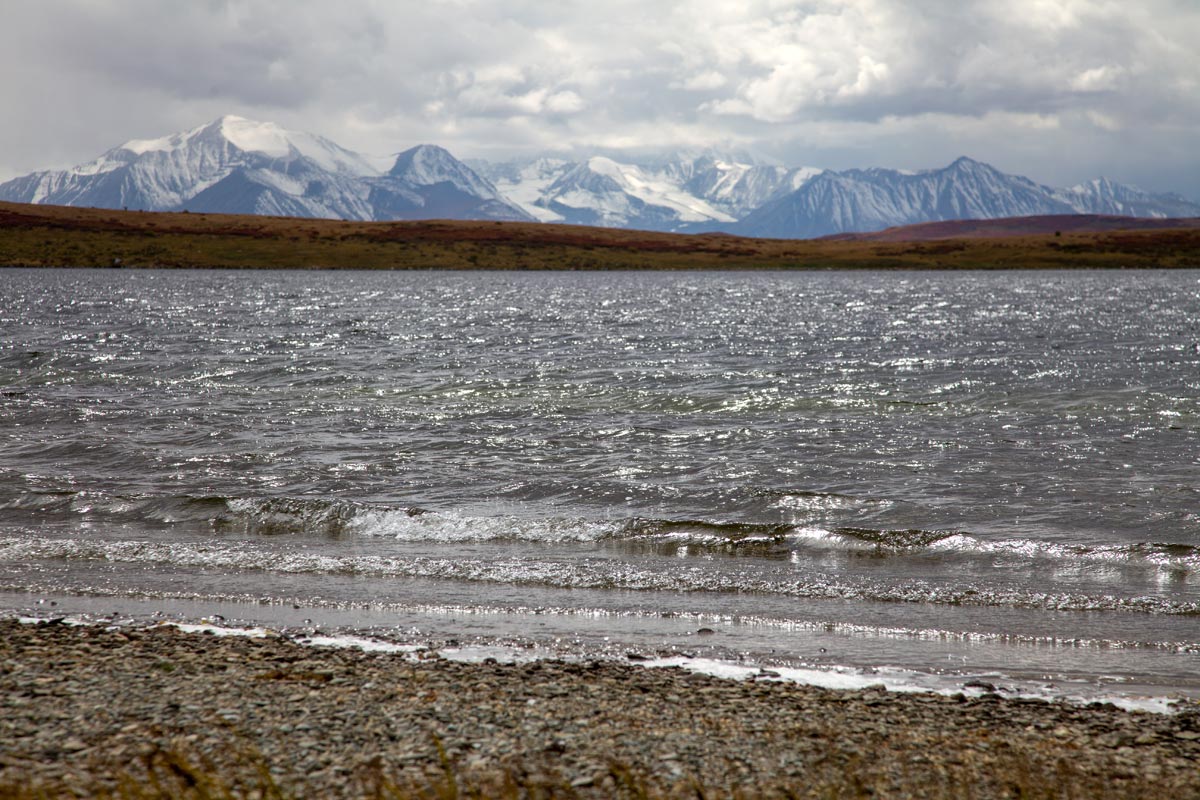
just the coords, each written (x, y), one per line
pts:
(56, 236)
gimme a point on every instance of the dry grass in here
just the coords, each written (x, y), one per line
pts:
(57, 236)
(177, 773)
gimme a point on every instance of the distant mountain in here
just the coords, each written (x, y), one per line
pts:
(235, 165)
(1102, 196)
(238, 166)
(427, 182)
(738, 189)
(875, 199)
(230, 164)
(682, 191)
(601, 191)
(524, 182)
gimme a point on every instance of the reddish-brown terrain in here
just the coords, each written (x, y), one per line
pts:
(58, 236)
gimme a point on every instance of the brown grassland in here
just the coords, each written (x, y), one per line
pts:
(57, 236)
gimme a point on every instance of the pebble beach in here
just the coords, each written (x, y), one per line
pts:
(93, 711)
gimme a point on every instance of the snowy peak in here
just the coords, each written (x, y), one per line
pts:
(241, 166)
(682, 190)
(603, 191)
(427, 182)
(171, 143)
(1104, 196)
(237, 165)
(597, 175)
(258, 137)
(428, 164)
(966, 164)
(873, 199)
(738, 189)
(524, 183)
(232, 139)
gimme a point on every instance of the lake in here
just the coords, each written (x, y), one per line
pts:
(927, 480)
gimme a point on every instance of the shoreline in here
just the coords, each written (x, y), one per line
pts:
(80, 707)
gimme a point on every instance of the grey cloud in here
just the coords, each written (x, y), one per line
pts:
(1074, 82)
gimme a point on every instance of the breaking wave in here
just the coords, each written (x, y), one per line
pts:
(568, 573)
(286, 516)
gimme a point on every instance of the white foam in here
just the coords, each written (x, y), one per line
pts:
(477, 654)
(213, 629)
(906, 681)
(840, 678)
(364, 644)
(1028, 548)
(843, 678)
(453, 527)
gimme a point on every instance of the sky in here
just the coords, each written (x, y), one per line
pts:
(1058, 90)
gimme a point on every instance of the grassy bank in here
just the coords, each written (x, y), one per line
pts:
(177, 774)
(54, 236)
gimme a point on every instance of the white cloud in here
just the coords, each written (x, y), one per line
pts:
(1097, 79)
(566, 102)
(703, 82)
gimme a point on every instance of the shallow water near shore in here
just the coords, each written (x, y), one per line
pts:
(952, 478)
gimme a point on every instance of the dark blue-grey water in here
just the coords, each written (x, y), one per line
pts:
(974, 473)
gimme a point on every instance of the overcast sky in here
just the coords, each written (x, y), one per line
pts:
(1058, 90)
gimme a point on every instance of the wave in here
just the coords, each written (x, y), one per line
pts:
(568, 573)
(284, 516)
(253, 515)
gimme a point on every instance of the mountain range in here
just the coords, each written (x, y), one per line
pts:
(235, 165)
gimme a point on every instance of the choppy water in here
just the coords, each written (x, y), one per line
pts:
(954, 474)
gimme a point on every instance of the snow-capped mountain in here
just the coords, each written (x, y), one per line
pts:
(874, 199)
(737, 189)
(427, 182)
(681, 191)
(1102, 196)
(601, 191)
(235, 165)
(524, 183)
(230, 164)
(238, 166)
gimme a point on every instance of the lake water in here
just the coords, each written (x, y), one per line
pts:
(921, 479)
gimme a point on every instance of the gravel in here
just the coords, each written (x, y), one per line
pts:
(81, 706)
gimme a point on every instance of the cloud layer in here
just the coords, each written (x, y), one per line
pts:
(1057, 89)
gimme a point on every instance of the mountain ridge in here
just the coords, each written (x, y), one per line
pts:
(236, 165)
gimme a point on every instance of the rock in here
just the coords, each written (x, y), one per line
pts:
(984, 685)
